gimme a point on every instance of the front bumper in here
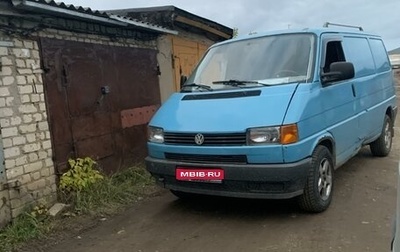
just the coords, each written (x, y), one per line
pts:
(266, 181)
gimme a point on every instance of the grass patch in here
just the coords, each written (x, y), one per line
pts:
(110, 193)
(24, 228)
(105, 197)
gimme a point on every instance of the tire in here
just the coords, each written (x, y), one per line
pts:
(381, 147)
(317, 194)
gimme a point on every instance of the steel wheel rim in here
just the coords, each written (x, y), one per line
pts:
(388, 136)
(325, 179)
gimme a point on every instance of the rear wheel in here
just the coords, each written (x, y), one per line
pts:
(317, 194)
(381, 147)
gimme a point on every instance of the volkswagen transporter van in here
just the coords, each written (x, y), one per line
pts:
(273, 115)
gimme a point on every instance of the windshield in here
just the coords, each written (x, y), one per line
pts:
(270, 60)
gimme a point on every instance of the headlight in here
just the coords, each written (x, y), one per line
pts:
(263, 135)
(155, 135)
(285, 134)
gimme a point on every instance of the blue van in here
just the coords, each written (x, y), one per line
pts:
(273, 115)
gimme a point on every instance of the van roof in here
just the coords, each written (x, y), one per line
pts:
(316, 31)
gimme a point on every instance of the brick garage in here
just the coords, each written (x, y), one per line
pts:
(55, 59)
(27, 116)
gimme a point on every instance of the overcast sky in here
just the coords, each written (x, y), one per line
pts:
(378, 16)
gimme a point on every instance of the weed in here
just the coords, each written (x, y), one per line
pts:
(24, 228)
(108, 194)
(81, 175)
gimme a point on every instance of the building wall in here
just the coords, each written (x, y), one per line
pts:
(165, 60)
(164, 57)
(24, 127)
(25, 135)
(195, 37)
(5, 210)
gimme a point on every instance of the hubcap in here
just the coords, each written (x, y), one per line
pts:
(325, 179)
(388, 136)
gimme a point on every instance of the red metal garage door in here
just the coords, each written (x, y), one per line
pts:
(84, 120)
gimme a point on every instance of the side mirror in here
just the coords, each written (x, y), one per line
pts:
(338, 71)
(183, 80)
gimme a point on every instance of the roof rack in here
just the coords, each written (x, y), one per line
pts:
(343, 25)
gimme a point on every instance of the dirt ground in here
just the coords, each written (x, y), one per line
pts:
(359, 219)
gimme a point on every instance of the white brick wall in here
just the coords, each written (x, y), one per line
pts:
(6, 71)
(21, 80)
(8, 132)
(4, 91)
(23, 120)
(8, 80)
(11, 152)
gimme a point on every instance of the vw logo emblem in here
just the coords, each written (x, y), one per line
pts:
(199, 139)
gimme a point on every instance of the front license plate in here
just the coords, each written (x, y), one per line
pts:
(200, 175)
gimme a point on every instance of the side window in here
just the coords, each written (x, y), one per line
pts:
(380, 56)
(358, 52)
(334, 53)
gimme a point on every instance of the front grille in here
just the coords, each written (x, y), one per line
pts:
(194, 158)
(230, 139)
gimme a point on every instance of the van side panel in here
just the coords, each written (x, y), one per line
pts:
(385, 82)
(373, 84)
(350, 111)
(321, 112)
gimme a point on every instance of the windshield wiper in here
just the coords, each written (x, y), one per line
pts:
(199, 86)
(236, 83)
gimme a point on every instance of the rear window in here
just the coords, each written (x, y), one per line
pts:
(380, 56)
(357, 51)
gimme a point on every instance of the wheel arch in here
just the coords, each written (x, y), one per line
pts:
(390, 112)
(329, 143)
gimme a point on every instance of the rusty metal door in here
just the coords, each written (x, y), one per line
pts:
(5, 207)
(186, 54)
(100, 99)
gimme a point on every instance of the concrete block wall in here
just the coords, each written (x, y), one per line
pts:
(25, 134)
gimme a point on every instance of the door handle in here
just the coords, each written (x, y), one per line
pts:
(353, 89)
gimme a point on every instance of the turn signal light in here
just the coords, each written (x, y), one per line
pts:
(289, 134)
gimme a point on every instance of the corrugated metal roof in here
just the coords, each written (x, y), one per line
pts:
(72, 7)
(137, 23)
(143, 13)
(60, 8)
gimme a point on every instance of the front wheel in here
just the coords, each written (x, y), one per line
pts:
(317, 194)
(381, 147)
